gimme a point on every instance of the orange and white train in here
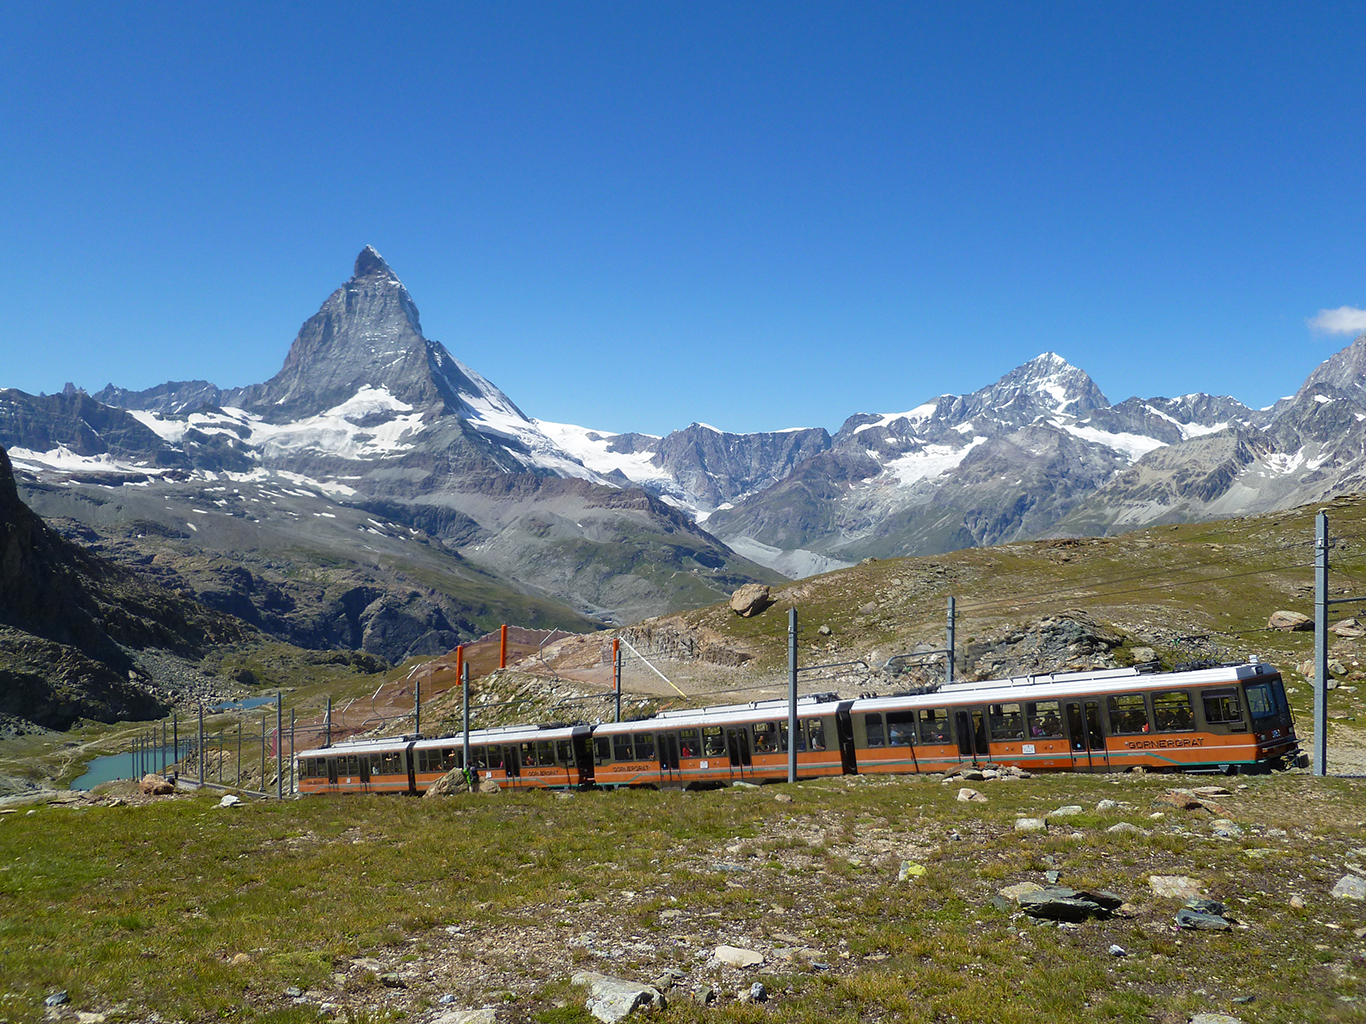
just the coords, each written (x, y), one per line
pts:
(1232, 718)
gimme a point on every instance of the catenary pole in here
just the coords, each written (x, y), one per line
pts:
(279, 746)
(616, 679)
(792, 695)
(465, 711)
(948, 669)
(1321, 644)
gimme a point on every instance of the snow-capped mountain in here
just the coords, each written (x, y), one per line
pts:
(368, 414)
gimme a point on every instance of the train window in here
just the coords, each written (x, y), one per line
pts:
(479, 757)
(392, 763)
(1222, 707)
(545, 752)
(564, 752)
(900, 728)
(765, 738)
(376, 763)
(1044, 719)
(689, 744)
(1005, 721)
(934, 725)
(645, 745)
(352, 765)
(815, 730)
(1128, 713)
(872, 725)
(528, 752)
(713, 742)
(621, 747)
(450, 758)
(602, 749)
(1172, 711)
(1261, 702)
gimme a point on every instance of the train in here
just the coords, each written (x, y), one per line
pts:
(1229, 719)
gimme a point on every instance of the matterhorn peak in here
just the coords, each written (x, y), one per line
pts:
(371, 264)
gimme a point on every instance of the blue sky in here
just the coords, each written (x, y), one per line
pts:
(636, 215)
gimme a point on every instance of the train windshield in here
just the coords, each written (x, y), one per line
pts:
(1261, 701)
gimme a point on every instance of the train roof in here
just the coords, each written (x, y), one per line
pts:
(1070, 684)
(497, 734)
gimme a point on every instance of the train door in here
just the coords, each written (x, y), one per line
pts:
(737, 747)
(511, 762)
(583, 758)
(844, 729)
(365, 771)
(668, 758)
(1085, 737)
(331, 771)
(972, 735)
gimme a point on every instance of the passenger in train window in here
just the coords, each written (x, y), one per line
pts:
(934, 726)
(817, 732)
(713, 743)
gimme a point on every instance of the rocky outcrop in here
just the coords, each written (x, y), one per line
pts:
(68, 619)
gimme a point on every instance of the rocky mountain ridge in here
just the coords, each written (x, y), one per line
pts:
(369, 413)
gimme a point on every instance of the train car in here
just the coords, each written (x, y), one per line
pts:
(733, 743)
(526, 756)
(1231, 718)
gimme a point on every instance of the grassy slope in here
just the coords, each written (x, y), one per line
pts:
(196, 911)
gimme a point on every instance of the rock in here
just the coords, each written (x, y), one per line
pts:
(1031, 825)
(757, 993)
(156, 785)
(1059, 903)
(391, 979)
(1348, 627)
(973, 775)
(452, 782)
(1350, 887)
(485, 1015)
(1296, 903)
(910, 870)
(734, 956)
(1225, 828)
(966, 795)
(1106, 805)
(1117, 950)
(783, 798)
(1014, 892)
(56, 999)
(613, 999)
(1174, 886)
(488, 786)
(294, 992)
(1064, 812)
(1215, 1018)
(1203, 915)
(1288, 621)
(1126, 826)
(868, 609)
(704, 995)
(1143, 655)
(824, 631)
(230, 801)
(749, 600)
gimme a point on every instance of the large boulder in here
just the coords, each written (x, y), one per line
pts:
(1287, 621)
(156, 785)
(613, 999)
(750, 599)
(454, 781)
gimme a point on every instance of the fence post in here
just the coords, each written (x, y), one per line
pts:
(503, 646)
(279, 747)
(201, 744)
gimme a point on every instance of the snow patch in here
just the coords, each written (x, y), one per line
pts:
(929, 462)
(1132, 446)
